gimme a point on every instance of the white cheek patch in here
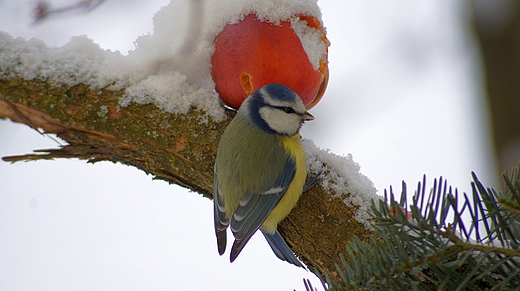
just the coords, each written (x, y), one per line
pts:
(279, 121)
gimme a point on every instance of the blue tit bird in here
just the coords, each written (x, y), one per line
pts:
(260, 170)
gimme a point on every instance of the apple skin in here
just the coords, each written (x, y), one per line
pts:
(252, 53)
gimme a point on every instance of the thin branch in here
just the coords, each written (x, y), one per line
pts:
(43, 10)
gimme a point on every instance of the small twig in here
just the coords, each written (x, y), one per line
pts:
(22, 117)
(43, 9)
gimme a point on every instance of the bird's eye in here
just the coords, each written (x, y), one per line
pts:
(288, 110)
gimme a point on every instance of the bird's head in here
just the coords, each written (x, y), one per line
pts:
(275, 109)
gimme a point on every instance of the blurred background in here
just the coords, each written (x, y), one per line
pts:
(497, 25)
(416, 88)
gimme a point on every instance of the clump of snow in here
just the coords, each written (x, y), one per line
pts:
(311, 40)
(343, 178)
(178, 97)
(80, 61)
(169, 68)
(83, 61)
(185, 30)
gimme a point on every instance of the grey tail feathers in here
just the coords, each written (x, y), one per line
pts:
(281, 249)
(221, 241)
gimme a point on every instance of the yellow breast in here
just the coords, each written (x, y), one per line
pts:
(294, 147)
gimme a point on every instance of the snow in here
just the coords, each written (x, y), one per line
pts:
(343, 178)
(176, 45)
(83, 61)
(272, 11)
(178, 97)
(80, 61)
(169, 68)
(311, 40)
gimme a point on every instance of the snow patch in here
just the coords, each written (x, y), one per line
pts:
(177, 97)
(185, 30)
(343, 177)
(311, 40)
(170, 68)
(79, 61)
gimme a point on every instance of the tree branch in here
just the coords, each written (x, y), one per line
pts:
(179, 149)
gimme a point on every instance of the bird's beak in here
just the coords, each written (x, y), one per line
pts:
(307, 116)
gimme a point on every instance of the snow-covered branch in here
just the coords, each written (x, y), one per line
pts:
(178, 147)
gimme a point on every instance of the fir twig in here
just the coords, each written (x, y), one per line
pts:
(434, 246)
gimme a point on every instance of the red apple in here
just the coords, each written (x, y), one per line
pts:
(253, 53)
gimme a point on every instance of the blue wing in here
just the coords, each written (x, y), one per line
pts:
(254, 208)
(221, 222)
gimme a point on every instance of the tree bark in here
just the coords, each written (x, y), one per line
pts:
(176, 148)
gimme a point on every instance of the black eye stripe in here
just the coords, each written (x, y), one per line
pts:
(287, 109)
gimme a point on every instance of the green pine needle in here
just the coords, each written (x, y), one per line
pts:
(433, 245)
